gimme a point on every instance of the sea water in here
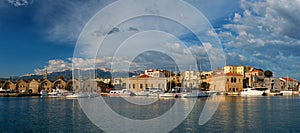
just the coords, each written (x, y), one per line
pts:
(234, 114)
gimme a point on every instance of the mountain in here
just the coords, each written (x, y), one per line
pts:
(67, 74)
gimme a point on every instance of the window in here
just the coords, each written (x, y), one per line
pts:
(133, 86)
(158, 85)
(141, 86)
(129, 86)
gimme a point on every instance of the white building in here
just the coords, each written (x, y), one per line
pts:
(155, 73)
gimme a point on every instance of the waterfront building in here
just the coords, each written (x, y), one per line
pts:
(46, 85)
(273, 84)
(217, 83)
(72, 85)
(144, 81)
(190, 79)
(254, 78)
(21, 86)
(237, 69)
(117, 81)
(1, 83)
(59, 84)
(155, 73)
(233, 83)
(289, 83)
(9, 85)
(33, 86)
(90, 85)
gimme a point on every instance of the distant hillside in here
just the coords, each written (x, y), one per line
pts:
(103, 73)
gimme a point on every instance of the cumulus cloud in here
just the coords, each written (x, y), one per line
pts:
(265, 34)
(19, 3)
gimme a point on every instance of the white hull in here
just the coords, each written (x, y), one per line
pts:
(78, 95)
(253, 92)
(170, 95)
(120, 93)
(194, 95)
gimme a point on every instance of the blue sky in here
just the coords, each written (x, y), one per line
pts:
(42, 34)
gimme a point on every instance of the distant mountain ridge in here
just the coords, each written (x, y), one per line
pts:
(67, 74)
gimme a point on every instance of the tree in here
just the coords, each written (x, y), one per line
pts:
(204, 86)
(268, 73)
(172, 85)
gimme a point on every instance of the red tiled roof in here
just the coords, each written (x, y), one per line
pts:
(144, 76)
(289, 79)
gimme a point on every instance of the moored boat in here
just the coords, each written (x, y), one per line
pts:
(254, 91)
(78, 95)
(122, 93)
(194, 94)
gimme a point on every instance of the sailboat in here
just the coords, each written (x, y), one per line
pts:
(78, 93)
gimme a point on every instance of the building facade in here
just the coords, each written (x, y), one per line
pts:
(137, 84)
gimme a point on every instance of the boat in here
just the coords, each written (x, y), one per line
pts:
(56, 93)
(194, 94)
(254, 91)
(172, 93)
(142, 93)
(289, 93)
(78, 95)
(43, 93)
(4, 90)
(117, 93)
(210, 93)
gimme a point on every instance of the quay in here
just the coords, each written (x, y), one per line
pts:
(17, 94)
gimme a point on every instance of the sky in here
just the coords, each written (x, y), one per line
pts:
(42, 34)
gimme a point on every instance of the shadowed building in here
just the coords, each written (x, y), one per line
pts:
(59, 84)
(21, 86)
(1, 83)
(46, 85)
(89, 85)
(9, 85)
(72, 85)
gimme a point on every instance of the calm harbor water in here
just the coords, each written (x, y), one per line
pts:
(234, 114)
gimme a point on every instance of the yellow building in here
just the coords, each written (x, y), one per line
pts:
(144, 81)
(231, 83)
(230, 69)
(237, 69)
(33, 86)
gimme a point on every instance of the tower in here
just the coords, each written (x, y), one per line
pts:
(45, 75)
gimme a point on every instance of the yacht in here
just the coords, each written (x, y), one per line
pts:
(172, 93)
(123, 92)
(78, 95)
(254, 91)
(194, 94)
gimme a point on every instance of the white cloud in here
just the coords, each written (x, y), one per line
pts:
(19, 3)
(266, 34)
